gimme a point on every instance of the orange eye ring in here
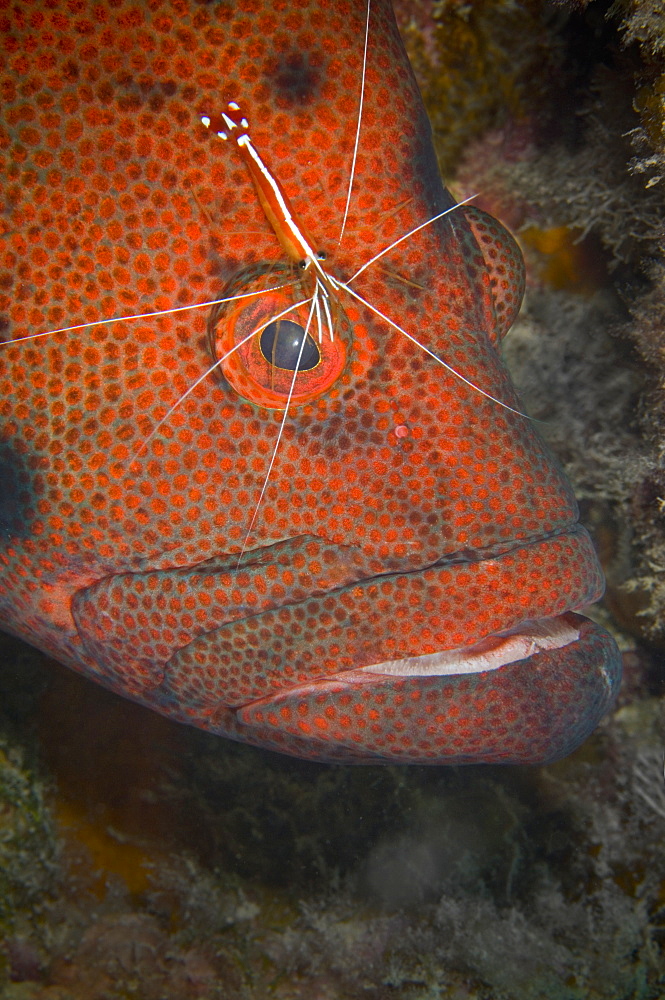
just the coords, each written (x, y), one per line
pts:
(243, 334)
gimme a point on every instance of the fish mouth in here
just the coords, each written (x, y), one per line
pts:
(529, 695)
(514, 676)
(456, 618)
(458, 662)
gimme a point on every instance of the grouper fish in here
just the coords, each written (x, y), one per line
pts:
(262, 467)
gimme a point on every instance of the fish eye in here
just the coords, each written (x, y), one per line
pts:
(280, 345)
(259, 351)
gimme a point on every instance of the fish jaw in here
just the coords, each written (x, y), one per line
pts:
(522, 679)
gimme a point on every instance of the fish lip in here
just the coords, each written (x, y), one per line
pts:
(300, 644)
(496, 650)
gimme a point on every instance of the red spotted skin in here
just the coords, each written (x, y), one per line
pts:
(405, 514)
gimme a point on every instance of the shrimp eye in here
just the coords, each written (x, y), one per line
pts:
(302, 264)
(322, 255)
(281, 346)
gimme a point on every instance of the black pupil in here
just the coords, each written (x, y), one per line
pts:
(280, 345)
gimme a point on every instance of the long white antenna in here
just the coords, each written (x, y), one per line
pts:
(148, 315)
(449, 368)
(209, 371)
(360, 115)
(279, 436)
(411, 233)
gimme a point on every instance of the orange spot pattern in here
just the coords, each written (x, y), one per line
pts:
(132, 478)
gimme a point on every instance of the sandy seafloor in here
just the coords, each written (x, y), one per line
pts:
(141, 859)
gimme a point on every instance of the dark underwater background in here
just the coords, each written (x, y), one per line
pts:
(141, 859)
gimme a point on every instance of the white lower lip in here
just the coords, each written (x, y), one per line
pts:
(489, 654)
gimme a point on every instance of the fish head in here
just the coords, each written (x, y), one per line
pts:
(367, 554)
